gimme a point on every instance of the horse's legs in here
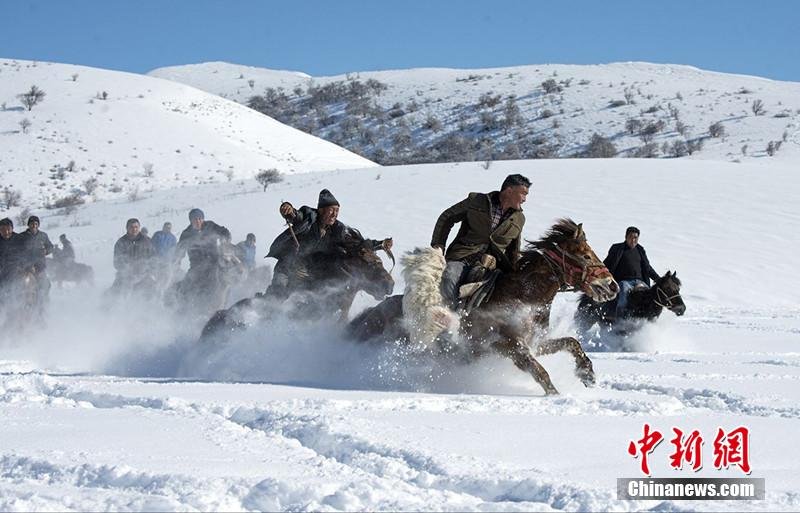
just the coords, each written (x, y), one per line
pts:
(522, 357)
(583, 365)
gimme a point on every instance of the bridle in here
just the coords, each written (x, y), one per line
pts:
(576, 273)
(663, 300)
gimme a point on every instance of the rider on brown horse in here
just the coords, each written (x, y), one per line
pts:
(489, 237)
(313, 236)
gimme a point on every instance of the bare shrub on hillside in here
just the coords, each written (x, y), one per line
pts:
(679, 148)
(31, 97)
(68, 201)
(716, 130)
(11, 198)
(757, 107)
(600, 147)
(266, 177)
(432, 123)
(613, 104)
(25, 124)
(646, 151)
(633, 125)
(551, 86)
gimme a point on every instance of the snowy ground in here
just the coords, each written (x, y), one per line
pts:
(118, 408)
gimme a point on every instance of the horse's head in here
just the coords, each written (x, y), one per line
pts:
(364, 270)
(568, 252)
(668, 293)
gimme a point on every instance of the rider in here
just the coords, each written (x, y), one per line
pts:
(313, 234)
(629, 265)
(164, 242)
(133, 254)
(11, 253)
(67, 253)
(201, 240)
(489, 237)
(248, 250)
(37, 246)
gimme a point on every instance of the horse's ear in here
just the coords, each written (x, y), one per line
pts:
(579, 231)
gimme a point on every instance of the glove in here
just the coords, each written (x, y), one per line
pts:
(287, 211)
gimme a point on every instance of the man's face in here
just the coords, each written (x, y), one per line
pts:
(133, 229)
(197, 223)
(514, 196)
(5, 231)
(328, 215)
(631, 239)
(168, 228)
(33, 226)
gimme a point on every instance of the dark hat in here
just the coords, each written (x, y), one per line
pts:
(632, 229)
(131, 221)
(34, 218)
(251, 236)
(6, 222)
(514, 180)
(196, 213)
(326, 199)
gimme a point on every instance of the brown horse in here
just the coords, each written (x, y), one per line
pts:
(519, 308)
(328, 288)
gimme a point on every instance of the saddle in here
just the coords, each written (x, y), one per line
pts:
(478, 289)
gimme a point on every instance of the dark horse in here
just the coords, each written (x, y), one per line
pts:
(327, 288)
(519, 308)
(644, 303)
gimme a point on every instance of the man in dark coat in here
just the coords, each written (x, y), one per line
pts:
(12, 255)
(202, 241)
(490, 234)
(37, 247)
(314, 235)
(133, 260)
(629, 265)
(67, 253)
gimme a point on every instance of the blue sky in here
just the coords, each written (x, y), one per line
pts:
(337, 36)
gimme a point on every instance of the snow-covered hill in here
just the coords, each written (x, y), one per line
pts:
(130, 134)
(427, 115)
(117, 408)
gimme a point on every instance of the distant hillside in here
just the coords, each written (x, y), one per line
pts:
(544, 111)
(105, 134)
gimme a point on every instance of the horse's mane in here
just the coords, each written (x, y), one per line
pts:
(562, 230)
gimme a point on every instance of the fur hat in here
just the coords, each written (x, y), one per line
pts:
(196, 213)
(326, 199)
(7, 222)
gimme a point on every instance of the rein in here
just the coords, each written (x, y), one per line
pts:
(571, 270)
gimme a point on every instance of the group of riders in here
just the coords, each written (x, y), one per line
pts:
(489, 239)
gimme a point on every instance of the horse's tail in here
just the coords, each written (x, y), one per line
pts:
(424, 312)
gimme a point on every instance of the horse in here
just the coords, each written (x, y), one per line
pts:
(205, 289)
(61, 271)
(517, 312)
(21, 301)
(327, 288)
(644, 303)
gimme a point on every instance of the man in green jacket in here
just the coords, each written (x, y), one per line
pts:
(490, 233)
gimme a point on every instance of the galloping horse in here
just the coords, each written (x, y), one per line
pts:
(519, 308)
(205, 290)
(327, 289)
(643, 303)
(20, 302)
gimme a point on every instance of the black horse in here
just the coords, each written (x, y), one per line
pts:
(326, 289)
(644, 303)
